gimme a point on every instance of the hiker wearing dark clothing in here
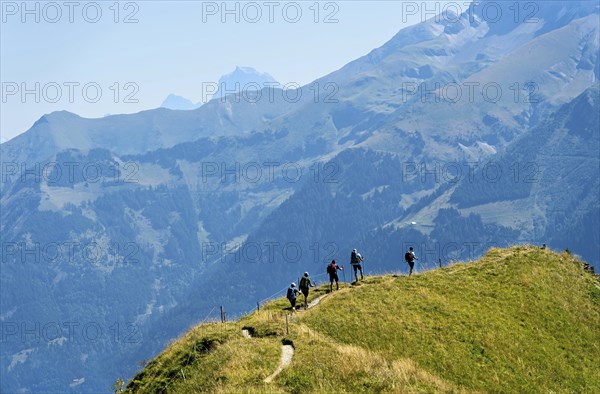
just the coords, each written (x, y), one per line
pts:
(410, 259)
(355, 260)
(291, 295)
(305, 284)
(332, 270)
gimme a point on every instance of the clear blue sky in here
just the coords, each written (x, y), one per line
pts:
(173, 47)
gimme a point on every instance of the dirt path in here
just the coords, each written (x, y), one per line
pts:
(287, 353)
(316, 301)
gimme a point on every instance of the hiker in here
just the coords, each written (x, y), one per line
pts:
(291, 295)
(355, 260)
(305, 284)
(410, 259)
(332, 271)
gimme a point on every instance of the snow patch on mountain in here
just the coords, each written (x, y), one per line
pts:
(77, 382)
(8, 314)
(19, 358)
(57, 341)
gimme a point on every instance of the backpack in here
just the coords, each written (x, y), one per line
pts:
(290, 294)
(331, 269)
(408, 257)
(354, 258)
(304, 283)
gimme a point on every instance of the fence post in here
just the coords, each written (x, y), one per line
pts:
(287, 329)
(222, 318)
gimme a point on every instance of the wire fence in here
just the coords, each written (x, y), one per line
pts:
(273, 296)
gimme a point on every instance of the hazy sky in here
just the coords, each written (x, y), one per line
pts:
(83, 57)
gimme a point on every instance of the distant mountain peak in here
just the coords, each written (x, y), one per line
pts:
(245, 70)
(241, 79)
(174, 101)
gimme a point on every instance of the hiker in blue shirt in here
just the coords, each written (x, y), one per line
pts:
(291, 295)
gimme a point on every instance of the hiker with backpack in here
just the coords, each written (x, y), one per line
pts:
(410, 258)
(291, 295)
(305, 284)
(332, 270)
(355, 260)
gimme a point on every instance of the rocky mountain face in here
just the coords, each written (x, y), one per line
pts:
(458, 134)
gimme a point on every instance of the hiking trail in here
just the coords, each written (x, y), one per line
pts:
(287, 353)
(287, 350)
(316, 301)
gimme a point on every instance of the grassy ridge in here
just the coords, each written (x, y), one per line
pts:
(518, 320)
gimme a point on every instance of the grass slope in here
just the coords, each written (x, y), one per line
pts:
(518, 320)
